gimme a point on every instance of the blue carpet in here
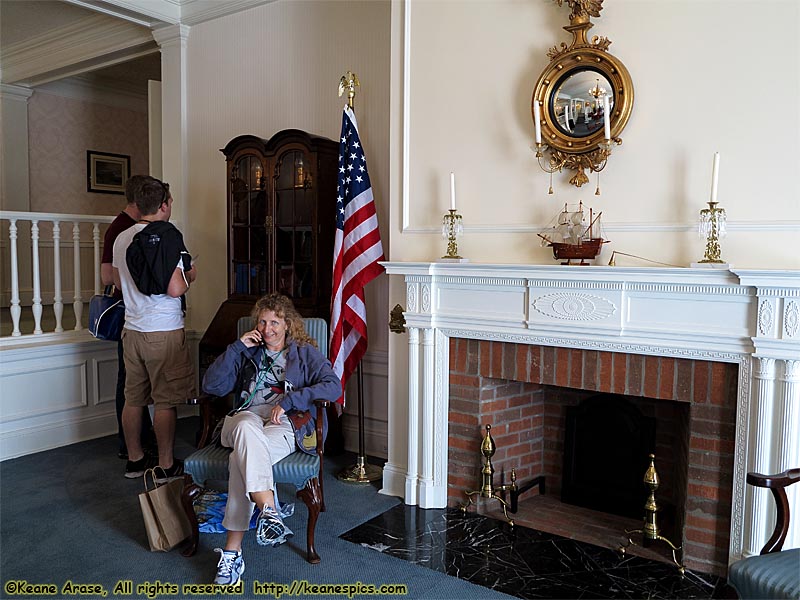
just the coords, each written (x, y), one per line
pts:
(68, 515)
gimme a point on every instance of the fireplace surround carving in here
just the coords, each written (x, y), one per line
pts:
(745, 317)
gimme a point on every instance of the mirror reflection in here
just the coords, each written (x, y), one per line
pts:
(576, 106)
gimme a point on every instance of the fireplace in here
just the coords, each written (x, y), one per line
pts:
(527, 392)
(733, 333)
(607, 440)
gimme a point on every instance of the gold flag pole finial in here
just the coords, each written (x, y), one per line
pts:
(348, 82)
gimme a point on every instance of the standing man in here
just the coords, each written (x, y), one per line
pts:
(157, 359)
(127, 218)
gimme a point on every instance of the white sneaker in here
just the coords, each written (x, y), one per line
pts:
(269, 527)
(229, 568)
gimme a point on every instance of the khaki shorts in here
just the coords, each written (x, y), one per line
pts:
(158, 368)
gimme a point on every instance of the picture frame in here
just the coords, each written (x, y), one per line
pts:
(107, 173)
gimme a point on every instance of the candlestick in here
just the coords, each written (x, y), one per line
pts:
(452, 191)
(537, 117)
(715, 177)
(606, 117)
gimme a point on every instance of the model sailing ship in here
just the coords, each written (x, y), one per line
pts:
(573, 237)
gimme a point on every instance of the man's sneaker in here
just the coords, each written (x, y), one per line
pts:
(164, 475)
(136, 468)
(229, 568)
(269, 527)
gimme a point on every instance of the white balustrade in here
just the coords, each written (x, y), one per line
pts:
(36, 274)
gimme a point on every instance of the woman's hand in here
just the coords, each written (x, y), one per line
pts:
(277, 412)
(252, 338)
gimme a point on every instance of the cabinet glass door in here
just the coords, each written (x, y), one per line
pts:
(294, 215)
(249, 231)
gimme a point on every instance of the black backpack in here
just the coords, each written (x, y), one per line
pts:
(153, 255)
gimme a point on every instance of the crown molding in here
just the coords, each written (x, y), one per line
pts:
(96, 39)
(194, 12)
(155, 13)
(80, 88)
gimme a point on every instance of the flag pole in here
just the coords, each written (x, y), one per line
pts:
(361, 471)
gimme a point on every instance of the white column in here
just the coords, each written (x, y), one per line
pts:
(77, 305)
(36, 306)
(58, 305)
(15, 309)
(760, 442)
(787, 450)
(14, 171)
(428, 379)
(172, 42)
(413, 416)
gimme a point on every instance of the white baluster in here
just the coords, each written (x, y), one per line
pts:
(15, 309)
(77, 305)
(37, 288)
(96, 244)
(58, 305)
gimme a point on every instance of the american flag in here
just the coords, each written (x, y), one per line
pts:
(356, 252)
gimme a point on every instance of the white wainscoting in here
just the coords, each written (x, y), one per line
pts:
(59, 391)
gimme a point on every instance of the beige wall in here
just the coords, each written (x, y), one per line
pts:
(701, 72)
(61, 129)
(270, 68)
(275, 67)
(463, 74)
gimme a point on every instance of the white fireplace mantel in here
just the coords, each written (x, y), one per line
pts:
(749, 317)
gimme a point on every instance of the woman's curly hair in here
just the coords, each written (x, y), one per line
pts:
(283, 307)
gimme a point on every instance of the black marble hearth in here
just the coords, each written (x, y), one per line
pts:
(523, 562)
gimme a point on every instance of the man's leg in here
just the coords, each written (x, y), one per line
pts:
(137, 391)
(120, 400)
(164, 426)
(132, 425)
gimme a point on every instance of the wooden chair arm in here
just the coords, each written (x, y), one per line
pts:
(777, 484)
(322, 405)
(209, 416)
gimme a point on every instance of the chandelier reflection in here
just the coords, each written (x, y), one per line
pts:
(552, 160)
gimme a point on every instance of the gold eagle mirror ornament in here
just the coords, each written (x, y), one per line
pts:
(582, 100)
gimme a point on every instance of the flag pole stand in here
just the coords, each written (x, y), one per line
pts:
(361, 471)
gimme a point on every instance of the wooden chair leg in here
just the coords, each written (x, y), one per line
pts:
(312, 498)
(190, 492)
(321, 485)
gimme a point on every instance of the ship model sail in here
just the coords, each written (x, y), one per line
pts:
(573, 236)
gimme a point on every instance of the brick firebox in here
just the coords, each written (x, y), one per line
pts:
(505, 384)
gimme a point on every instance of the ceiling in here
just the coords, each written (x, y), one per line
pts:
(107, 43)
(30, 25)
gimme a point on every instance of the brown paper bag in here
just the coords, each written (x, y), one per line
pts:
(165, 521)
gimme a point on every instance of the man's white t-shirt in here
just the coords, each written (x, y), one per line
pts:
(158, 312)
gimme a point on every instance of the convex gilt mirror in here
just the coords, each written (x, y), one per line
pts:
(582, 100)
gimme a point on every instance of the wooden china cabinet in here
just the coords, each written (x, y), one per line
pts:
(281, 206)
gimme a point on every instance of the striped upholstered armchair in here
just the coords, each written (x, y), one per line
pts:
(207, 467)
(775, 573)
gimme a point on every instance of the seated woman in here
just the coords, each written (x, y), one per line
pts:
(276, 373)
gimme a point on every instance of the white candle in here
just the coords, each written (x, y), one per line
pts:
(452, 191)
(715, 177)
(536, 118)
(606, 118)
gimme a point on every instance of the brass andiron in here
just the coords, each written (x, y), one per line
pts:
(650, 532)
(487, 490)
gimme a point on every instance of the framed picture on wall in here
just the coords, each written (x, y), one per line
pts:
(107, 173)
